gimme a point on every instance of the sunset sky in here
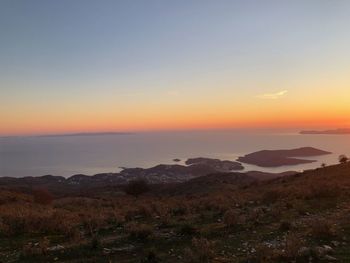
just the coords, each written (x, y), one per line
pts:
(79, 66)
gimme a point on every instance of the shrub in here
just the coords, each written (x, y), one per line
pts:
(266, 254)
(179, 211)
(201, 251)
(139, 231)
(271, 196)
(323, 190)
(285, 226)
(36, 249)
(231, 218)
(343, 159)
(95, 242)
(150, 258)
(42, 196)
(292, 246)
(188, 229)
(321, 228)
(137, 187)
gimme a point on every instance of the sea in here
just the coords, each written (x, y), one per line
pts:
(104, 153)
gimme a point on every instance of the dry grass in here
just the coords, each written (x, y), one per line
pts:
(322, 228)
(139, 231)
(200, 252)
(209, 217)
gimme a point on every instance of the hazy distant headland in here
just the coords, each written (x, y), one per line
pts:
(71, 134)
(85, 134)
(335, 131)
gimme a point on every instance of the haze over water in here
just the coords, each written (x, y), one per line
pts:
(69, 155)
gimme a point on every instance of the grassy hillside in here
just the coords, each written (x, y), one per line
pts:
(217, 218)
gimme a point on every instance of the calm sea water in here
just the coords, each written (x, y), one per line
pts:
(65, 156)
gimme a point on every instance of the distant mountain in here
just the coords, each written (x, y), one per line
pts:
(336, 131)
(276, 158)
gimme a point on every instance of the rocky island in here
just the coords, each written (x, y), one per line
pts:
(276, 158)
(219, 165)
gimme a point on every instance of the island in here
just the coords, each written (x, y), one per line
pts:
(276, 158)
(218, 165)
(328, 132)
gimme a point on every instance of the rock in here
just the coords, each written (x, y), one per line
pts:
(328, 249)
(335, 243)
(330, 258)
(126, 248)
(107, 251)
(319, 252)
(56, 248)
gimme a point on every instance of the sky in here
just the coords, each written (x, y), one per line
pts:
(143, 65)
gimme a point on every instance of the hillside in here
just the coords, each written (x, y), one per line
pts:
(225, 217)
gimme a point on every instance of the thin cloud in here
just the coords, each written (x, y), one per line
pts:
(273, 96)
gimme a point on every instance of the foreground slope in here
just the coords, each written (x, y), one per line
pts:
(296, 218)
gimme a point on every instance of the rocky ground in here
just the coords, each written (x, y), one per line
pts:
(297, 218)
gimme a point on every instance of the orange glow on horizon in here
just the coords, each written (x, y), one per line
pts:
(176, 123)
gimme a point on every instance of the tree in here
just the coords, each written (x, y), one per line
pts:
(137, 187)
(343, 158)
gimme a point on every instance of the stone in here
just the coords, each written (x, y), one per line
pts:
(330, 258)
(335, 243)
(328, 249)
(56, 248)
(320, 252)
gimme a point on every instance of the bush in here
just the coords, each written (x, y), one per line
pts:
(42, 196)
(266, 254)
(272, 196)
(321, 228)
(188, 229)
(150, 258)
(292, 246)
(201, 251)
(343, 158)
(285, 226)
(36, 249)
(231, 218)
(95, 242)
(139, 231)
(137, 187)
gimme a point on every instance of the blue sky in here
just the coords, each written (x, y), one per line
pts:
(59, 58)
